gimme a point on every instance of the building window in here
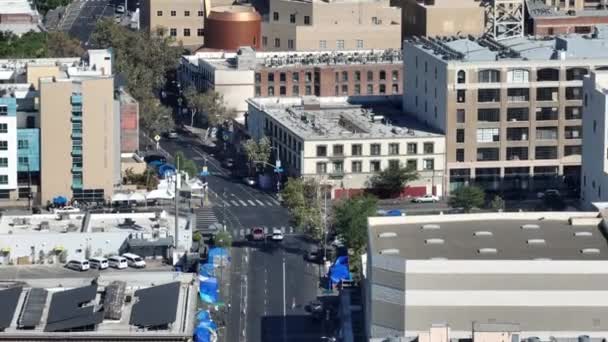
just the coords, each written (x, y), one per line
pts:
(356, 166)
(306, 20)
(277, 42)
(186, 32)
(573, 113)
(308, 90)
(359, 44)
(200, 32)
(576, 74)
(3, 179)
(488, 76)
(370, 89)
(547, 94)
(264, 41)
(518, 94)
(517, 133)
(338, 167)
(547, 74)
(356, 149)
(382, 75)
(290, 44)
(382, 89)
(201, 13)
(370, 76)
(271, 91)
(340, 44)
(412, 148)
(282, 91)
(321, 151)
(374, 149)
(338, 150)
(295, 77)
(573, 132)
(321, 168)
(159, 13)
(3, 128)
(258, 91)
(546, 133)
(270, 77)
(570, 150)
(429, 148)
(282, 77)
(292, 18)
(186, 13)
(460, 77)
(460, 115)
(547, 113)
(23, 144)
(461, 96)
(322, 44)
(546, 152)
(393, 148)
(460, 135)
(173, 32)
(428, 164)
(337, 91)
(488, 114)
(395, 75)
(344, 90)
(486, 135)
(23, 160)
(258, 77)
(275, 16)
(3, 145)
(487, 154)
(295, 90)
(393, 164)
(374, 165)
(358, 76)
(344, 76)
(357, 89)
(3, 110)
(460, 155)
(395, 88)
(488, 95)
(518, 76)
(173, 13)
(412, 164)
(517, 153)
(3, 162)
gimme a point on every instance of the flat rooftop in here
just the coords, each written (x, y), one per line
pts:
(171, 299)
(485, 49)
(491, 236)
(538, 9)
(601, 81)
(332, 118)
(228, 60)
(16, 7)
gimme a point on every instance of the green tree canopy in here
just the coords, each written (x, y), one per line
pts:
(155, 117)
(61, 45)
(390, 181)
(467, 198)
(350, 220)
(45, 5)
(497, 203)
(210, 104)
(187, 165)
(38, 45)
(258, 152)
(304, 200)
(222, 239)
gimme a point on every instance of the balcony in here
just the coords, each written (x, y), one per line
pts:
(518, 95)
(547, 94)
(76, 168)
(76, 99)
(77, 151)
(76, 118)
(76, 135)
(76, 184)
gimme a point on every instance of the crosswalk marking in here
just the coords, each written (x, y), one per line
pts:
(243, 203)
(260, 202)
(234, 203)
(269, 203)
(251, 202)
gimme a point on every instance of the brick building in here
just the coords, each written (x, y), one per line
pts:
(548, 18)
(246, 73)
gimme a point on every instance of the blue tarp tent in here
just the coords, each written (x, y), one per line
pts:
(155, 164)
(60, 200)
(216, 254)
(394, 212)
(206, 328)
(339, 270)
(207, 270)
(165, 170)
(207, 289)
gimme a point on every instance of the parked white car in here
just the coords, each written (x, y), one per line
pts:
(117, 262)
(134, 260)
(99, 263)
(78, 265)
(277, 235)
(428, 198)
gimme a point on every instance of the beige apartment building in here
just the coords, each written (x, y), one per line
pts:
(79, 146)
(511, 110)
(331, 25)
(442, 17)
(181, 19)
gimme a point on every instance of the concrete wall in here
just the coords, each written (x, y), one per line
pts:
(35, 72)
(10, 139)
(444, 18)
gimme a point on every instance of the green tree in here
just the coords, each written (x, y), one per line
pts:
(258, 152)
(304, 200)
(155, 117)
(222, 239)
(497, 203)
(390, 181)
(185, 164)
(467, 198)
(210, 104)
(29, 45)
(43, 6)
(350, 223)
(59, 44)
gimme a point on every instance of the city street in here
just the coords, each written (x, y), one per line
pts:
(82, 25)
(271, 283)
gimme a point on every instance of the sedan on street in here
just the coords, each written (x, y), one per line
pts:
(277, 235)
(257, 234)
(426, 199)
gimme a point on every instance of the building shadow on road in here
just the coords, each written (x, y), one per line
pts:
(293, 328)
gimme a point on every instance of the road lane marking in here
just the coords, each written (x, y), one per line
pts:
(269, 203)
(234, 203)
(243, 203)
(276, 202)
(251, 202)
(260, 202)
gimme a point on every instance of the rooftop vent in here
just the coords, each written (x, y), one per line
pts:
(487, 251)
(590, 251)
(389, 251)
(530, 226)
(483, 233)
(430, 226)
(434, 241)
(387, 235)
(536, 242)
(580, 234)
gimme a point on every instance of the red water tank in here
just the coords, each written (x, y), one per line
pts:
(230, 27)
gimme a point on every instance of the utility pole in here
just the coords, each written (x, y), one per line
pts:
(224, 209)
(324, 225)
(29, 187)
(176, 203)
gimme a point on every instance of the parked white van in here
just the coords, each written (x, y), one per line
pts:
(99, 263)
(117, 261)
(134, 260)
(78, 265)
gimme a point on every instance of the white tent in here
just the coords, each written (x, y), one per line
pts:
(120, 197)
(159, 194)
(137, 197)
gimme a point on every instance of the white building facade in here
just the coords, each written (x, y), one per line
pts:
(344, 144)
(594, 184)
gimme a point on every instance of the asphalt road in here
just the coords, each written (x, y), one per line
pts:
(268, 299)
(91, 11)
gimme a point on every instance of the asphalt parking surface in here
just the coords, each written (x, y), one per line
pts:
(22, 272)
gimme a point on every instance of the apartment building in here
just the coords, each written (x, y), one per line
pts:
(343, 142)
(511, 110)
(594, 182)
(239, 76)
(442, 17)
(331, 25)
(553, 17)
(181, 19)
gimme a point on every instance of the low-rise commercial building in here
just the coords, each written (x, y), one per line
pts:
(595, 139)
(239, 76)
(511, 109)
(462, 270)
(19, 17)
(344, 143)
(295, 25)
(548, 18)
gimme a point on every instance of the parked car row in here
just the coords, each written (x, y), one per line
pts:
(101, 263)
(257, 234)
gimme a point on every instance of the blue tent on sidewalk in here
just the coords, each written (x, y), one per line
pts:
(207, 270)
(206, 330)
(339, 270)
(60, 200)
(216, 254)
(208, 288)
